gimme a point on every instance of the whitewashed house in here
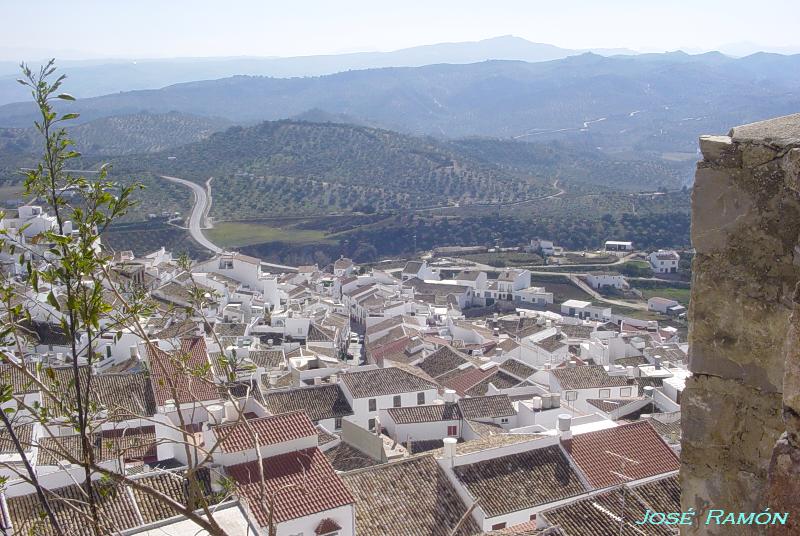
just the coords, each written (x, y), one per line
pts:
(664, 261)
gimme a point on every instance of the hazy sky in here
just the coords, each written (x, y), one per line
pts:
(169, 28)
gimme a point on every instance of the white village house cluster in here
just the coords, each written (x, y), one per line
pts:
(381, 404)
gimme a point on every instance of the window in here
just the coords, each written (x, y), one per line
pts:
(625, 391)
(373, 404)
(452, 430)
(337, 423)
(605, 393)
(420, 398)
(498, 526)
(396, 401)
(504, 420)
(533, 517)
(371, 424)
(571, 396)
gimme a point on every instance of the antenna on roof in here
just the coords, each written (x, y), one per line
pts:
(624, 460)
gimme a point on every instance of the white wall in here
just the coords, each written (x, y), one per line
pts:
(305, 526)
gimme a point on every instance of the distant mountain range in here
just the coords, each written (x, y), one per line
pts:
(91, 78)
(656, 104)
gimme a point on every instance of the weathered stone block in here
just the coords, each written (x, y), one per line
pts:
(725, 208)
(754, 155)
(720, 151)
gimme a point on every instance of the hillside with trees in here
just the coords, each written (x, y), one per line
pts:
(291, 167)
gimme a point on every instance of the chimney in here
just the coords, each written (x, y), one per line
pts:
(648, 391)
(216, 414)
(657, 362)
(134, 350)
(449, 396)
(630, 371)
(536, 402)
(317, 380)
(565, 425)
(273, 380)
(450, 448)
(555, 400)
(571, 363)
(333, 378)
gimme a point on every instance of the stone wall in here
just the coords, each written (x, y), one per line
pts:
(741, 408)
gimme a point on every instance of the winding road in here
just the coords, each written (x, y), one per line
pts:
(199, 216)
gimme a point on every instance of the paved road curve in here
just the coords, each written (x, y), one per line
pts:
(197, 219)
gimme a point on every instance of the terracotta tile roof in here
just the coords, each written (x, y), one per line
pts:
(176, 330)
(587, 377)
(412, 497)
(498, 378)
(230, 329)
(462, 380)
(383, 381)
(520, 481)
(318, 333)
(611, 404)
(427, 445)
(662, 495)
(20, 383)
(323, 437)
(576, 331)
(483, 429)
(306, 479)
(601, 514)
(550, 344)
(666, 427)
(517, 369)
(178, 369)
(327, 526)
(237, 436)
(637, 441)
(129, 443)
(319, 402)
(427, 413)
(24, 433)
(633, 361)
(117, 511)
(173, 484)
(643, 381)
(125, 396)
(442, 361)
(391, 351)
(486, 407)
(60, 382)
(345, 457)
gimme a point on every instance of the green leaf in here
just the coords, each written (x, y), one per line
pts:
(65, 96)
(51, 299)
(67, 117)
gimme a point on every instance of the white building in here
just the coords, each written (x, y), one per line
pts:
(660, 305)
(598, 280)
(664, 261)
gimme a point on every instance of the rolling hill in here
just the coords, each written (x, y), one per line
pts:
(299, 167)
(654, 104)
(91, 78)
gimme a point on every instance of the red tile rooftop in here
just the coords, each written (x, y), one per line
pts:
(238, 436)
(602, 454)
(301, 483)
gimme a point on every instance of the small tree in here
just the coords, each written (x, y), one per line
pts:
(70, 263)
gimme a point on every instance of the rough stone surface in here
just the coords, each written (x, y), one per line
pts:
(780, 131)
(720, 150)
(782, 496)
(741, 409)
